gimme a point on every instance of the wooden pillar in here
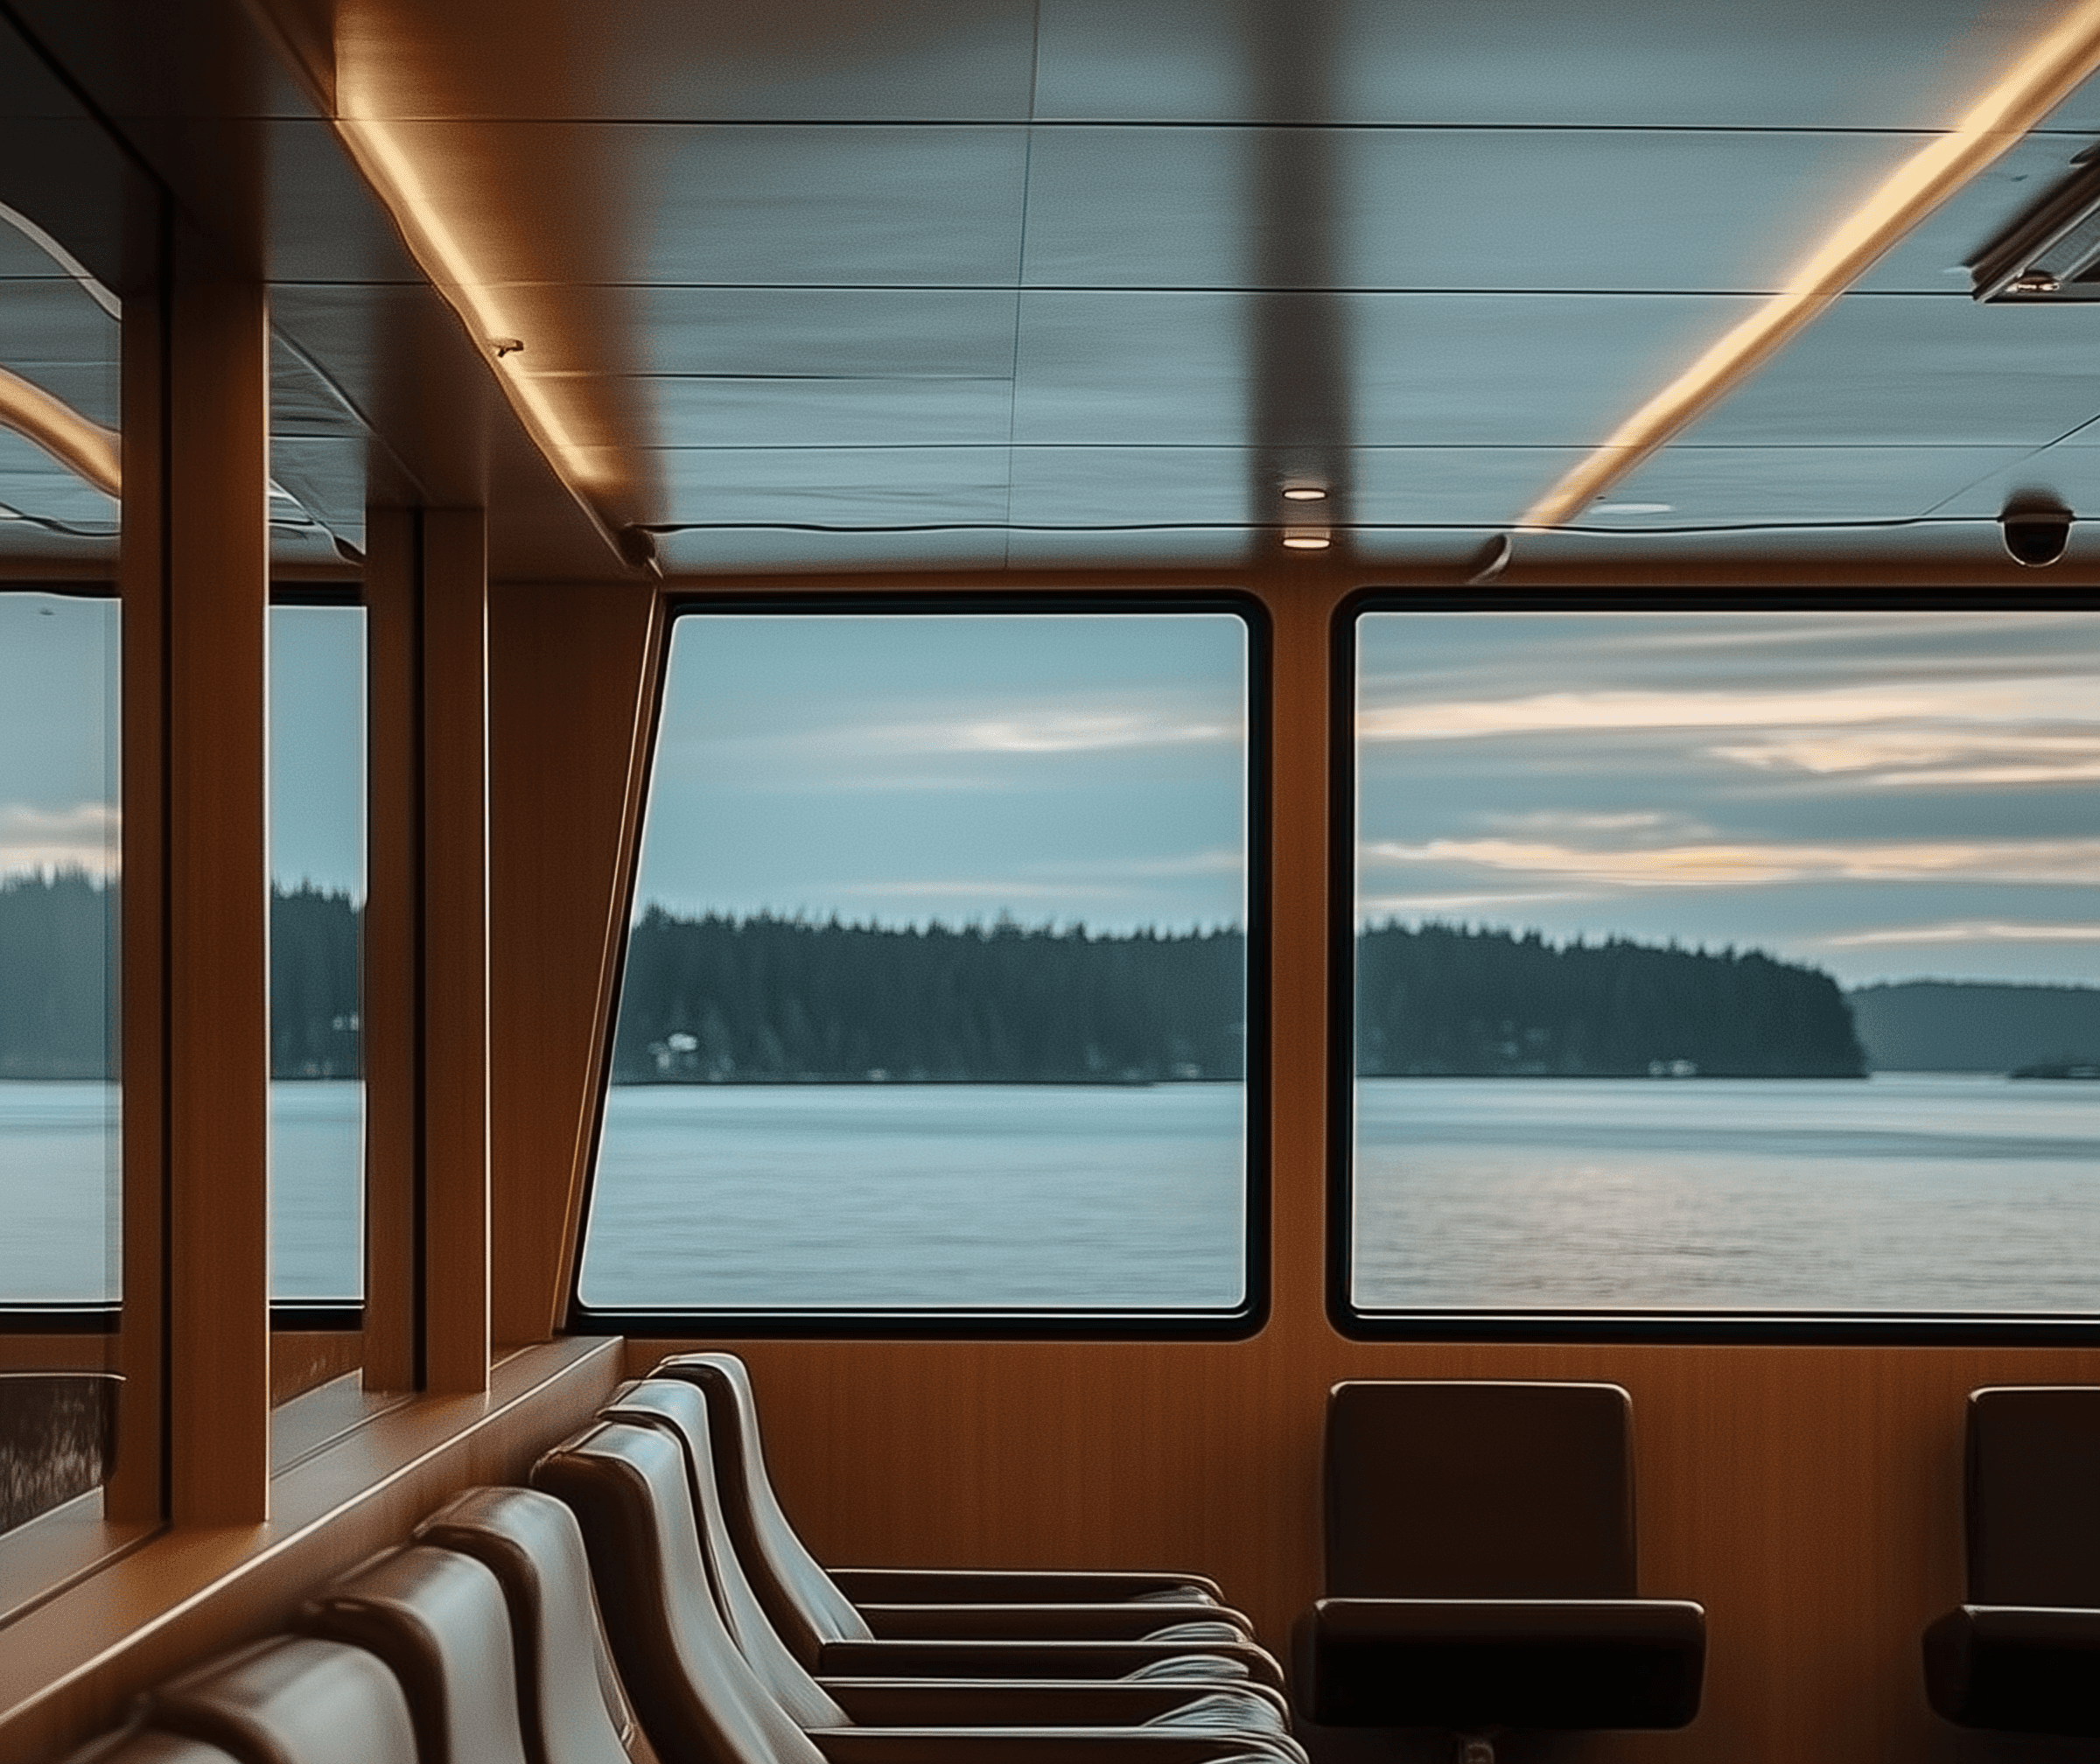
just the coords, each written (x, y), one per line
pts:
(196, 588)
(455, 949)
(390, 1009)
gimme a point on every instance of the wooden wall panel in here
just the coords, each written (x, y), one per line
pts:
(570, 692)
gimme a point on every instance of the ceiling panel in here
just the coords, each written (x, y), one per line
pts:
(1130, 486)
(2069, 473)
(1890, 370)
(1143, 369)
(835, 486)
(1688, 486)
(1535, 370)
(1770, 64)
(846, 333)
(1484, 486)
(810, 411)
(1934, 259)
(757, 550)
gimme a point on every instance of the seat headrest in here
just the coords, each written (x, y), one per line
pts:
(294, 1699)
(439, 1620)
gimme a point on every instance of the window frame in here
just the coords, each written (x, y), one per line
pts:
(984, 1323)
(1624, 1325)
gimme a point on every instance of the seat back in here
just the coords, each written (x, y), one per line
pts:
(2033, 1497)
(571, 1703)
(150, 1747)
(698, 1697)
(804, 1602)
(1480, 1490)
(292, 1700)
(438, 1619)
(681, 1409)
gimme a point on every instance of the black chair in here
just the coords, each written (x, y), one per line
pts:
(1481, 1568)
(2022, 1655)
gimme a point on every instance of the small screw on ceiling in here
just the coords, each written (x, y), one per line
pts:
(2035, 282)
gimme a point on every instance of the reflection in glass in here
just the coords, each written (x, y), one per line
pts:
(1727, 962)
(316, 852)
(935, 994)
(60, 1216)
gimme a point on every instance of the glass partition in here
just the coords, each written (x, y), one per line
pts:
(936, 994)
(1739, 962)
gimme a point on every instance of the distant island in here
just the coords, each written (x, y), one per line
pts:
(1446, 1001)
(1971, 1025)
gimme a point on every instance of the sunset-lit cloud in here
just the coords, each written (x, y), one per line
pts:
(1966, 931)
(2022, 700)
(82, 836)
(1050, 730)
(1929, 756)
(1724, 864)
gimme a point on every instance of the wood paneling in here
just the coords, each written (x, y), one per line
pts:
(570, 687)
(455, 949)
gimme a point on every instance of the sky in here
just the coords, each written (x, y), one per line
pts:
(1885, 795)
(1062, 768)
(58, 752)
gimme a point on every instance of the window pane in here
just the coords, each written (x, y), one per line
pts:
(60, 1213)
(317, 868)
(1728, 961)
(935, 997)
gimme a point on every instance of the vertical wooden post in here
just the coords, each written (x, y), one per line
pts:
(390, 1009)
(455, 949)
(215, 583)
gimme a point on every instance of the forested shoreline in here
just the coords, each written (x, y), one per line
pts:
(770, 999)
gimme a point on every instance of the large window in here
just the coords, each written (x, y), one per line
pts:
(936, 994)
(1725, 962)
(317, 880)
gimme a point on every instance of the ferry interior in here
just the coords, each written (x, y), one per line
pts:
(1218, 833)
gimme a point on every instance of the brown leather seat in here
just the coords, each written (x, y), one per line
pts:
(789, 1578)
(697, 1696)
(150, 1747)
(2022, 1654)
(295, 1699)
(1480, 1566)
(827, 1632)
(681, 1409)
(438, 1619)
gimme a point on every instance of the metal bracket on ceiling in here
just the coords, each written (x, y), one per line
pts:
(2052, 252)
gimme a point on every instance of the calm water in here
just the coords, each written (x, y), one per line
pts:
(59, 1212)
(1906, 1193)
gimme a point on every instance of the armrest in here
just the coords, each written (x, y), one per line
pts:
(993, 1745)
(1667, 1622)
(909, 1659)
(1006, 1622)
(2015, 1667)
(1039, 1702)
(1011, 1586)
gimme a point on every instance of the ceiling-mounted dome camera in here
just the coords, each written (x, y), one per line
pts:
(2035, 530)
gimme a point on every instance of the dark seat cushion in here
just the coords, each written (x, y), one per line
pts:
(2020, 1669)
(1469, 1664)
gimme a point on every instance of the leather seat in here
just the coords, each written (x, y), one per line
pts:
(696, 1694)
(292, 1700)
(682, 1408)
(1480, 1567)
(438, 1621)
(150, 1747)
(2022, 1654)
(810, 1604)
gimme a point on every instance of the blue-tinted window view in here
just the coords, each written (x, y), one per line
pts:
(936, 990)
(59, 1167)
(1728, 961)
(317, 880)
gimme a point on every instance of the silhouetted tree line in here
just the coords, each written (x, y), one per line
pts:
(771, 999)
(1442, 1000)
(57, 938)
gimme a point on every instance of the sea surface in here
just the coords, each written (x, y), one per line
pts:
(1906, 1193)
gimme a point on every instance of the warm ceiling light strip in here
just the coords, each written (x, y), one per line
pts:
(394, 174)
(2051, 68)
(82, 446)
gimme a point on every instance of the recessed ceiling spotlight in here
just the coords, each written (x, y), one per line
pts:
(1305, 493)
(1306, 542)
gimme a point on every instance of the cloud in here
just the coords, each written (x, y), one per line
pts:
(2026, 699)
(1049, 729)
(1929, 756)
(1745, 863)
(1414, 906)
(83, 837)
(1966, 931)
